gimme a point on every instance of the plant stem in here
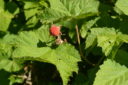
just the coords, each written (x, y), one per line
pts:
(100, 61)
(80, 50)
(78, 35)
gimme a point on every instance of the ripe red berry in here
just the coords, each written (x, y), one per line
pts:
(55, 30)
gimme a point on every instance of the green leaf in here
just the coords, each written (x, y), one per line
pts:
(12, 7)
(107, 38)
(6, 45)
(68, 9)
(27, 38)
(43, 34)
(111, 73)
(65, 61)
(32, 22)
(123, 37)
(10, 65)
(31, 38)
(30, 9)
(98, 33)
(6, 48)
(29, 52)
(15, 79)
(91, 38)
(86, 26)
(1, 4)
(122, 5)
(5, 19)
(43, 3)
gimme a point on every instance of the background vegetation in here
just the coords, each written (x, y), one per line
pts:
(94, 51)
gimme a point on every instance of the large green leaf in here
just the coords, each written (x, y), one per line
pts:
(68, 9)
(107, 38)
(31, 38)
(27, 38)
(111, 73)
(122, 5)
(64, 57)
(6, 48)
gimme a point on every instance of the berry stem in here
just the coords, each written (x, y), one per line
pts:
(80, 50)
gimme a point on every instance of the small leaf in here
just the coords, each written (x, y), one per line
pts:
(15, 79)
(86, 26)
(91, 38)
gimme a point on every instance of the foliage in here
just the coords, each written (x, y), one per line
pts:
(91, 48)
(107, 74)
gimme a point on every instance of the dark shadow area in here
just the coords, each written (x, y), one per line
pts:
(4, 77)
(44, 74)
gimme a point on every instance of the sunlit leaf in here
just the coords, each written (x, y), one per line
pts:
(122, 5)
(111, 73)
(68, 9)
(65, 61)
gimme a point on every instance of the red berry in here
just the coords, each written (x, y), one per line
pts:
(55, 30)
